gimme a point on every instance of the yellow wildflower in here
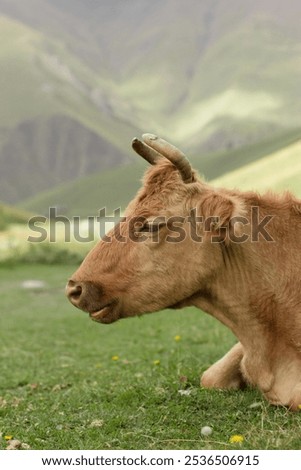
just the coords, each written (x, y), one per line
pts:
(177, 338)
(8, 438)
(115, 358)
(299, 406)
(236, 439)
(156, 362)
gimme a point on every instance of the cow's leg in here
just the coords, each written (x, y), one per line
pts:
(226, 373)
(295, 401)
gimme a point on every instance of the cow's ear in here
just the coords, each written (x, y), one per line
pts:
(219, 213)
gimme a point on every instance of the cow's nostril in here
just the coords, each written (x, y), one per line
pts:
(85, 295)
(74, 291)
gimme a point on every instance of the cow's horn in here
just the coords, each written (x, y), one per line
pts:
(146, 152)
(172, 153)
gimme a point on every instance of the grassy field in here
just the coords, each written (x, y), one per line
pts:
(69, 383)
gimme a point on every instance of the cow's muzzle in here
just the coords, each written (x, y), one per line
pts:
(85, 295)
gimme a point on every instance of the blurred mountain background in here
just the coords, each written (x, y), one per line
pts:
(80, 78)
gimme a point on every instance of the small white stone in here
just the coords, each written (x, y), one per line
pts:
(33, 284)
(184, 392)
(25, 446)
(206, 430)
(13, 444)
(97, 423)
(256, 404)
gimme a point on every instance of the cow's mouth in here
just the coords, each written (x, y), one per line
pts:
(107, 314)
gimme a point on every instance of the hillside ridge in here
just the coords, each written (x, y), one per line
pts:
(210, 76)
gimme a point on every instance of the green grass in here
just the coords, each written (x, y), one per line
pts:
(60, 388)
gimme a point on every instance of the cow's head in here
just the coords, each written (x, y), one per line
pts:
(160, 255)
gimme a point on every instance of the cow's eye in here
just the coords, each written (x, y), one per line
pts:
(152, 228)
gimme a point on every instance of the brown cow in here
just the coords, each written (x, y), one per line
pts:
(235, 255)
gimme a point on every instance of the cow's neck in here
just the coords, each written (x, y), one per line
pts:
(233, 295)
(228, 300)
(226, 295)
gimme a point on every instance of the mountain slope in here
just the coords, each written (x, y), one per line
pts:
(279, 171)
(52, 150)
(211, 73)
(111, 189)
(114, 188)
(12, 215)
(210, 76)
(53, 124)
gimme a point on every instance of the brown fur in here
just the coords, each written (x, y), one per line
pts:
(251, 287)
